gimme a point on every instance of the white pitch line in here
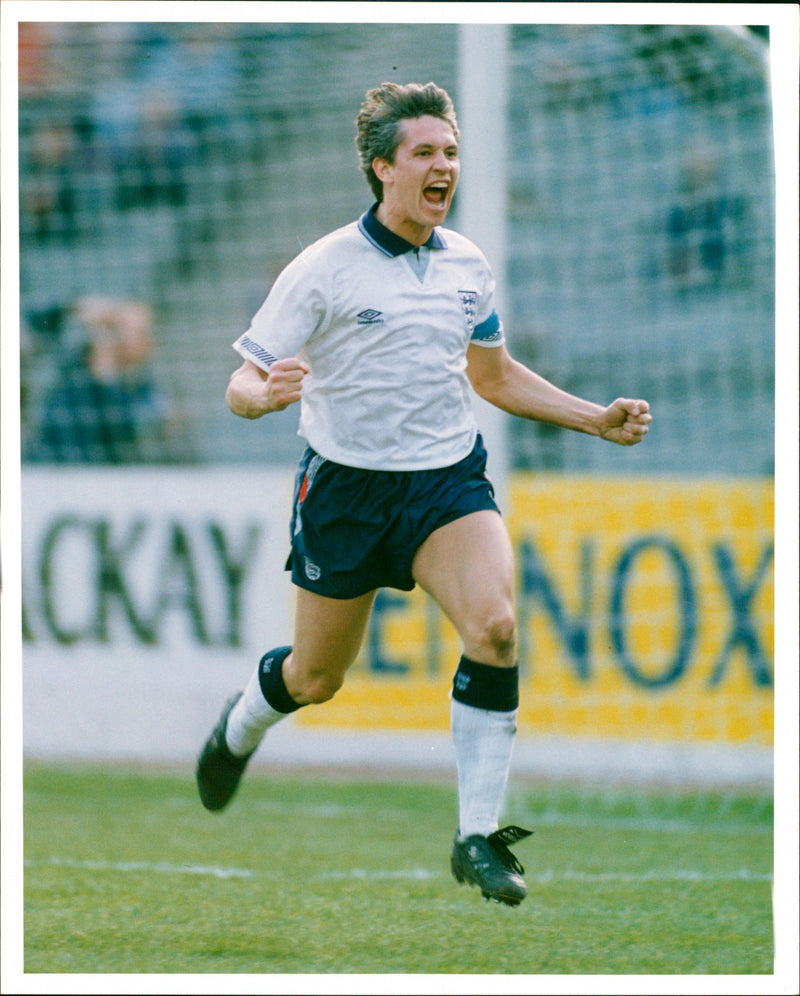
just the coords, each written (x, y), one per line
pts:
(417, 874)
(148, 866)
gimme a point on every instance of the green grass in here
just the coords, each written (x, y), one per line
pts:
(126, 873)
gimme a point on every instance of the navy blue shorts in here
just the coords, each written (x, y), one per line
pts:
(357, 530)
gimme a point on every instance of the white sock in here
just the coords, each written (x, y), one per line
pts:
(484, 742)
(250, 719)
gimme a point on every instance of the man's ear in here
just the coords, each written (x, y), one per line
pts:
(382, 169)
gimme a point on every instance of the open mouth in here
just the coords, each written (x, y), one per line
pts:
(436, 194)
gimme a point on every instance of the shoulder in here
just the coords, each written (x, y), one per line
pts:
(338, 241)
(318, 260)
(463, 247)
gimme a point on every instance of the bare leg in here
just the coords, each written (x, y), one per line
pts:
(467, 566)
(328, 634)
(327, 637)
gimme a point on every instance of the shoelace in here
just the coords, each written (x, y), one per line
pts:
(499, 841)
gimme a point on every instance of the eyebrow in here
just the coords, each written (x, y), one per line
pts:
(433, 145)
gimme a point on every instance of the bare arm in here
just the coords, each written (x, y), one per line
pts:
(510, 385)
(252, 393)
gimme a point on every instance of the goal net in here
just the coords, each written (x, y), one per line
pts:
(184, 164)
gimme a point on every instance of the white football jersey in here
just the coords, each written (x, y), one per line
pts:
(384, 329)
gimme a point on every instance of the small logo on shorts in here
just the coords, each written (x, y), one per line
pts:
(313, 573)
(462, 681)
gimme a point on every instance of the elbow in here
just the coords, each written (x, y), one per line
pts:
(479, 384)
(232, 399)
(487, 389)
(237, 401)
(247, 394)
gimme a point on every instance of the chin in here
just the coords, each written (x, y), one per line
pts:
(436, 216)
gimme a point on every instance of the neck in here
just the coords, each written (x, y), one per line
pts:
(416, 234)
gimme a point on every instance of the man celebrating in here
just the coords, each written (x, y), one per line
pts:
(381, 330)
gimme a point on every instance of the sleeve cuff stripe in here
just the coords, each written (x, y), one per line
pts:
(262, 356)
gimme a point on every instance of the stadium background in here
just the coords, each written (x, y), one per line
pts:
(182, 165)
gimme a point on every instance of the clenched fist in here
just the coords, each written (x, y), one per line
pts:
(252, 392)
(625, 421)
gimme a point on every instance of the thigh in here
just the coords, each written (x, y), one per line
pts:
(328, 633)
(467, 566)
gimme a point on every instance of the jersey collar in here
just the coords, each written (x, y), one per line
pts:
(386, 240)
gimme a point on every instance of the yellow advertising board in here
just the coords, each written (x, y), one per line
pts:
(645, 611)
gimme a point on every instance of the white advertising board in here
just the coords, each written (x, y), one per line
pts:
(148, 597)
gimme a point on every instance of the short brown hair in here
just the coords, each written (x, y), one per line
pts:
(377, 131)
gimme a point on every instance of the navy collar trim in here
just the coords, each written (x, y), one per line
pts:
(386, 240)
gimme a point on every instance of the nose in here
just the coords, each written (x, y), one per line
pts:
(441, 162)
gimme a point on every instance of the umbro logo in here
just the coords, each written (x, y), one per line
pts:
(370, 317)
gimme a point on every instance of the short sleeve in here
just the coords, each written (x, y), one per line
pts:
(295, 308)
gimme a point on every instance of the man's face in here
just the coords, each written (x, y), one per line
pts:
(418, 186)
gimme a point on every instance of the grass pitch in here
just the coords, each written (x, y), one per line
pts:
(125, 872)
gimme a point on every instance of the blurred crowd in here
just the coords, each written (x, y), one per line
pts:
(131, 135)
(142, 107)
(89, 395)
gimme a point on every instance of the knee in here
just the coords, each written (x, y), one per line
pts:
(322, 690)
(316, 689)
(503, 638)
(496, 635)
